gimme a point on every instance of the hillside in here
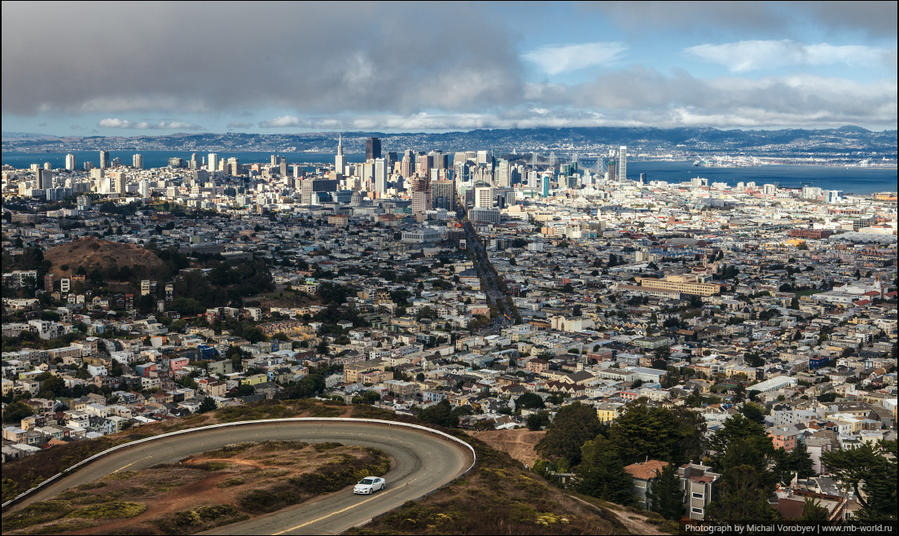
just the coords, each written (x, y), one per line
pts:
(517, 443)
(784, 142)
(498, 496)
(91, 253)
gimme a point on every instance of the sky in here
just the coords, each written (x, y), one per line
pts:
(141, 68)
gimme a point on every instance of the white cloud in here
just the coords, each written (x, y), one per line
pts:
(283, 121)
(115, 122)
(742, 56)
(565, 58)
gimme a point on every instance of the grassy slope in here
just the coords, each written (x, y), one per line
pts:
(497, 497)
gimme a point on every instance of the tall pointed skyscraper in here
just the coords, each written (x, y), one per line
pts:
(339, 160)
(622, 163)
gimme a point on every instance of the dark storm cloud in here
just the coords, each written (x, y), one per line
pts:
(198, 57)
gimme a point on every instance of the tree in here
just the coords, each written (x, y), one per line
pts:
(742, 497)
(742, 452)
(308, 386)
(665, 494)
(796, 461)
(53, 386)
(869, 471)
(243, 390)
(753, 412)
(440, 414)
(574, 425)
(813, 512)
(208, 404)
(16, 411)
(529, 401)
(741, 442)
(536, 421)
(602, 472)
(660, 433)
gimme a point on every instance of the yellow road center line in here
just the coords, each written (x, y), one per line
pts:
(301, 525)
(123, 467)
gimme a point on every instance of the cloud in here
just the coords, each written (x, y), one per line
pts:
(874, 19)
(652, 98)
(393, 57)
(565, 58)
(115, 122)
(283, 121)
(745, 56)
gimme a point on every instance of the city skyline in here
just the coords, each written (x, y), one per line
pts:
(484, 65)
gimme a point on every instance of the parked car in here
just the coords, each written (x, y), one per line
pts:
(369, 485)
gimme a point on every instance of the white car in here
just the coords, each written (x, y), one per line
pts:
(369, 485)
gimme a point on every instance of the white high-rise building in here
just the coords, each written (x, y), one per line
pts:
(503, 174)
(144, 189)
(137, 161)
(622, 163)
(483, 197)
(380, 176)
(340, 160)
(212, 164)
(70, 162)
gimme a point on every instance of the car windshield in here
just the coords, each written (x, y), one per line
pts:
(367, 481)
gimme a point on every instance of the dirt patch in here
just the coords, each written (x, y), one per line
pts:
(91, 252)
(519, 444)
(635, 523)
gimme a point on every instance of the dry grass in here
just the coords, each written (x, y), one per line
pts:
(498, 497)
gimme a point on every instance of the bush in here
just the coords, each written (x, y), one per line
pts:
(33, 514)
(204, 517)
(112, 510)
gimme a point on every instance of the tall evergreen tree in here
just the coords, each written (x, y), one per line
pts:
(665, 494)
(574, 425)
(660, 433)
(742, 453)
(869, 471)
(742, 497)
(602, 473)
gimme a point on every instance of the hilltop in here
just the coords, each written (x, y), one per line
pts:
(108, 257)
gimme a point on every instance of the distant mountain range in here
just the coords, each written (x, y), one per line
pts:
(848, 141)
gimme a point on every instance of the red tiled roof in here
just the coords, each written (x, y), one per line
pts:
(646, 470)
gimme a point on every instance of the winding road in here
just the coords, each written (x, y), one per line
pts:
(423, 461)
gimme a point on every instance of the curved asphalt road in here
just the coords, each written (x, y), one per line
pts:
(422, 462)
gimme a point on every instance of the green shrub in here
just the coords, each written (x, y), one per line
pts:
(263, 501)
(111, 510)
(33, 514)
(204, 517)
